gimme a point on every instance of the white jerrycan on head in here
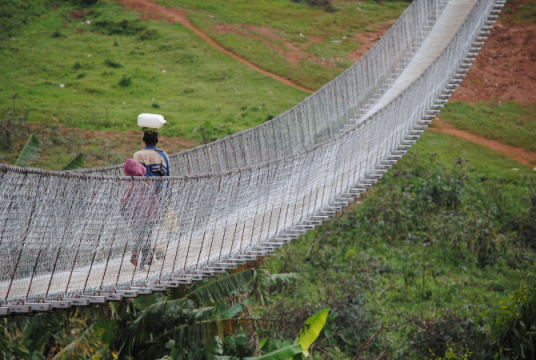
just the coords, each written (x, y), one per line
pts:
(151, 121)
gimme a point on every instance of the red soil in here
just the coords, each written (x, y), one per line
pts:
(505, 68)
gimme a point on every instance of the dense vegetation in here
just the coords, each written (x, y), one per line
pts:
(192, 322)
(432, 249)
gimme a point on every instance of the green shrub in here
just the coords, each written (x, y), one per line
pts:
(125, 81)
(123, 27)
(113, 64)
(527, 223)
(57, 34)
(81, 2)
(327, 5)
(512, 328)
(437, 336)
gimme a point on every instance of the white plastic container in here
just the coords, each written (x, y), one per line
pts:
(151, 121)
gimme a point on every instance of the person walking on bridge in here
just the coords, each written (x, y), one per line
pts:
(156, 164)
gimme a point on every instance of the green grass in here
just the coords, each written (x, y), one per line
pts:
(510, 123)
(15, 14)
(489, 163)
(112, 71)
(520, 12)
(287, 20)
(435, 242)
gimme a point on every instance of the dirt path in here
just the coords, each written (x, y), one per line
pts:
(518, 154)
(179, 16)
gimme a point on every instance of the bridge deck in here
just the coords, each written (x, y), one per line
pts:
(439, 38)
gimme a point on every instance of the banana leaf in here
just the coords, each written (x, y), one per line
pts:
(285, 353)
(76, 163)
(309, 333)
(30, 152)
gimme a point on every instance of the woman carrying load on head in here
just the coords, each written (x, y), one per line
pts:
(141, 209)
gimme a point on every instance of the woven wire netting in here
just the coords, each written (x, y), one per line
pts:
(71, 233)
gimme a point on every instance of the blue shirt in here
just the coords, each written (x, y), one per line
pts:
(154, 160)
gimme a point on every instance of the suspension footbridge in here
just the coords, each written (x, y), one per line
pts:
(67, 238)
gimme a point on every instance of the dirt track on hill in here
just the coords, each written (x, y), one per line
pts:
(173, 15)
(518, 154)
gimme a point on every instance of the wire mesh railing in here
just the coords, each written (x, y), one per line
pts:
(88, 233)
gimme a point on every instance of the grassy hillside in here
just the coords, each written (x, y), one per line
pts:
(304, 43)
(97, 68)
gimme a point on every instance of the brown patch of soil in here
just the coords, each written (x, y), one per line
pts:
(518, 154)
(128, 142)
(174, 15)
(505, 68)
(78, 14)
(367, 41)
(81, 31)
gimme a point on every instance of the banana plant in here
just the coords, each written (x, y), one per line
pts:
(300, 349)
(32, 150)
(198, 316)
(76, 163)
(190, 322)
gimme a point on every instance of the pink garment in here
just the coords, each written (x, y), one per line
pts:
(134, 168)
(140, 204)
